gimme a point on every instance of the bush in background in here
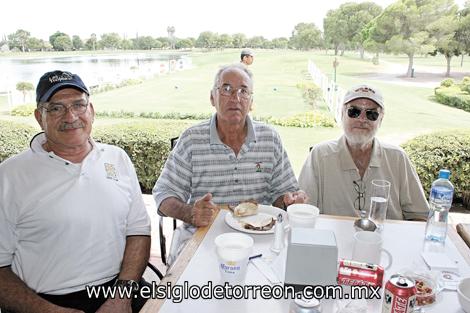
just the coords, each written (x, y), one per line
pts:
(453, 96)
(450, 150)
(307, 119)
(147, 144)
(310, 92)
(23, 110)
(14, 138)
(447, 82)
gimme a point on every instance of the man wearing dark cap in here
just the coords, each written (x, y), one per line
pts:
(337, 174)
(246, 56)
(71, 212)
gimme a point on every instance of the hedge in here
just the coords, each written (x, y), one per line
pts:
(450, 150)
(453, 96)
(147, 143)
(23, 110)
(14, 138)
(307, 119)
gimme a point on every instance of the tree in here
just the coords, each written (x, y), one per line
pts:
(77, 43)
(127, 44)
(60, 41)
(35, 44)
(402, 26)
(359, 17)
(145, 43)
(343, 26)
(224, 41)
(110, 41)
(256, 42)
(19, 39)
(239, 40)
(462, 34)
(24, 87)
(206, 40)
(91, 43)
(183, 44)
(305, 36)
(334, 30)
(171, 36)
(165, 42)
(280, 43)
(446, 43)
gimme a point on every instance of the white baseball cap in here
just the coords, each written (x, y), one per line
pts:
(364, 91)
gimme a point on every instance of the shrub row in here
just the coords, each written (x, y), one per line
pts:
(14, 138)
(109, 86)
(450, 150)
(307, 119)
(23, 110)
(455, 95)
(147, 144)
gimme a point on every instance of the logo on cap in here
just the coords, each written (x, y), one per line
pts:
(59, 78)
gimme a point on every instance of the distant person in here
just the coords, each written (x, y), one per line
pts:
(71, 212)
(337, 174)
(227, 159)
(246, 56)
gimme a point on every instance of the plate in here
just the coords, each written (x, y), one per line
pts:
(264, 212)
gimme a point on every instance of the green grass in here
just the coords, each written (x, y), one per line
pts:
(410, 111)
(275, 74)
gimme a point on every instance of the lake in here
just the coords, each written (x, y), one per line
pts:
(93, 69)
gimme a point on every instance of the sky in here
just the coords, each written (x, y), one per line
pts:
(150, 17)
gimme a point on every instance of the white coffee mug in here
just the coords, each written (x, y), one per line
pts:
(302, 215)
(368, 248)
(233, 251)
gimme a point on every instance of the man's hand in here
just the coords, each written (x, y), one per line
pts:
(116, 306)
(202, 211)
(295, 197)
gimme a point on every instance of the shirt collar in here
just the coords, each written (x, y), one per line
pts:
(39, 139)
(214, 135)
(346, 160)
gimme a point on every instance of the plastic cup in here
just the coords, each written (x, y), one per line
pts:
(233, 251)
(302, 215)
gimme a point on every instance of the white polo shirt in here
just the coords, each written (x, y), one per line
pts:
(63, 226)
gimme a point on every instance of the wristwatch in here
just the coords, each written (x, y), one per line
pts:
(127, 284)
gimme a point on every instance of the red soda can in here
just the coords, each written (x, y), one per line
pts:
(354, 273)
(399, 295)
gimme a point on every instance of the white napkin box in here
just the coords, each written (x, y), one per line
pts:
(312, 257)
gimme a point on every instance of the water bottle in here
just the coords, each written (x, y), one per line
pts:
(440, 201)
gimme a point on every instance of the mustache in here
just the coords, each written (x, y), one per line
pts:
(74, 125)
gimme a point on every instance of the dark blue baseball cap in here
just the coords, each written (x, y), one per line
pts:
(51, 82)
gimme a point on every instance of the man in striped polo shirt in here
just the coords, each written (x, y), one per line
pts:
(227, 159)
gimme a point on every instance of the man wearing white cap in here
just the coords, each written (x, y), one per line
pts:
(337, 174)
(246, 56)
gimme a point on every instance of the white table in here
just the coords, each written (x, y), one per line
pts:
(198, 265)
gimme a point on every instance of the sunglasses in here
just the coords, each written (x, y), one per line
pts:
(371, 115)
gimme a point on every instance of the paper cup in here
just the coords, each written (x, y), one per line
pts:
(302, 215)
(233, 250)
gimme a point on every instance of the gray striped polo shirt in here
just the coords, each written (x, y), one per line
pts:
(202, 163)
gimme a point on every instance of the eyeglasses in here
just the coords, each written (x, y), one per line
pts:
(58, 109)
(354, 112)
(242, 93)
(360, 188)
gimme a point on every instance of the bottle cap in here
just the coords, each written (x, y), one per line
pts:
(444, 174)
